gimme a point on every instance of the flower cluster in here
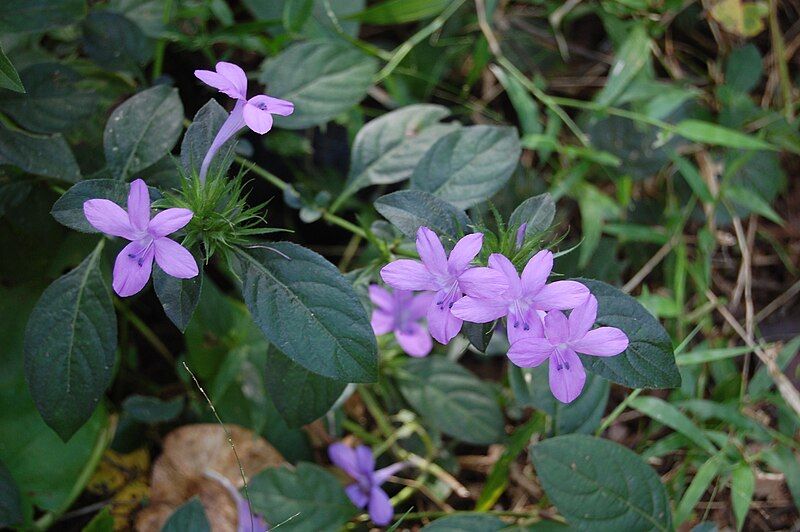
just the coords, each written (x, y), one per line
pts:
(538, 330)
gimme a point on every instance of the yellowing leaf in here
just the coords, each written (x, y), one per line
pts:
(742, 18)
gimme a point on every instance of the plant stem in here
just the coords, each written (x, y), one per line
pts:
(148, 334)
(161, 45)
(617, 411)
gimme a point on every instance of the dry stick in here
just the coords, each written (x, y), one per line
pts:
(230, 441)
(785, 387)
(650, 264)
(778, 302)
(745, 286)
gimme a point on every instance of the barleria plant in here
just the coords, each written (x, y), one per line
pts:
(398, 265)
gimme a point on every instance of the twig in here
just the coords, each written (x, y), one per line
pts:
(650, 264)
(778, 302)
(784, 385)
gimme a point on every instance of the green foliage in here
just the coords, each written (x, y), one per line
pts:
(189, 516)
(410, 209)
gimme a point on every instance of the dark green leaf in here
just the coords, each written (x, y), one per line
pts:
(467, 166)
(531, 388)
(632, 56)
(453, 400)
(715, 135)
(189, 517)
(296, 13)
(702, 479)
(50, 86)
(114, 42)
(70, 347)
(401, 11)
(649, 361)
(44, 155)
(408, 210)
(306, 499)
(521, 99)
(538, 212)
(466, 523)
(322, 78)
(308, 310)
(152, 409)
(9, 79)
(39, 15)
(599, 484)
(299, 395)
(743, 68)
(68, 210)
(103, 521)
(142, 130)
(478, 334)
(199, 136)
(743, 484)
(388, 148)
(10, 502)
(179, 297)
(665, 413)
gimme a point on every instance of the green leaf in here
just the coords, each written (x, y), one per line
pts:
(116, 43)
(199, 136)
(743, 484)
(142, 130)
(466, 523)
(715, 135)
(649, 361)
(453, 400)
(498, 478)
(665, 413)
(538, 212)
(103, 521)
(306, 499)
(50, 86)
(9, 79)
(752, 202)
(632, 56)
(401, 11)
(408, 210)
(39, 15)
(599, 484)
(784, 460)
(388, 148)
(523, 102)
(68, 209)
(702, 479)
(762, 381)
(693, 178)
(296, 13)
(469, 165)
(190, 516)
(531, 388)
(178, 297)
(322, 78)
(10, 501)
(49, 156)
(152, 409)
(744, 68)
(299, 395)
(478, 334)
(309, 311)
(70, 347)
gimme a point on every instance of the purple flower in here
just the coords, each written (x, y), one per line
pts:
(564, 338)
(366, 491)
(524, 297)
(521, 234)
(256, 113)
(401, 312)
(148, 239)
(449, 278)
(246, 520)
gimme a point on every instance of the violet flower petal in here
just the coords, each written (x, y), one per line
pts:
(235, 75)
(441, 322)
(506, 267)
(280, 107)
(561, 295)
(516, 326)
(418, 307)
(168, 221)
(382, 322)
(414, 339)
(463, 252)
(174, 259)
(536, 272)
(484, 283)
(365, 461)
(530, 352)
(382, 475)
(601, 342)
(380, 508)
(582, 318)
(230, 127)
(407, 274)
(431, 252)
(566, 375)
(357, 495)
(381, 298)
(521, 235)
(256, 118)
(556, 327)
(109, 218)
(229, 79)
(139, 205)
(479, 310)
(344, 457)
(132, 268)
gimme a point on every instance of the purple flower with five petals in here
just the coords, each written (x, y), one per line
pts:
(447, 277)
(256, 113)
(525, 296)
(401, 312)
(148, 239)
(366, 491)
(564, 338)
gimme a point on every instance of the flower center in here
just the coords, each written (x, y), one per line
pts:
(450, 296)
(559, 359)
(519, 308)
(140, 255)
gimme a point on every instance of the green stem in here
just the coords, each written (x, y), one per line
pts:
(499, 513)
(161, 45)
(148, 334)
(617, 411)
